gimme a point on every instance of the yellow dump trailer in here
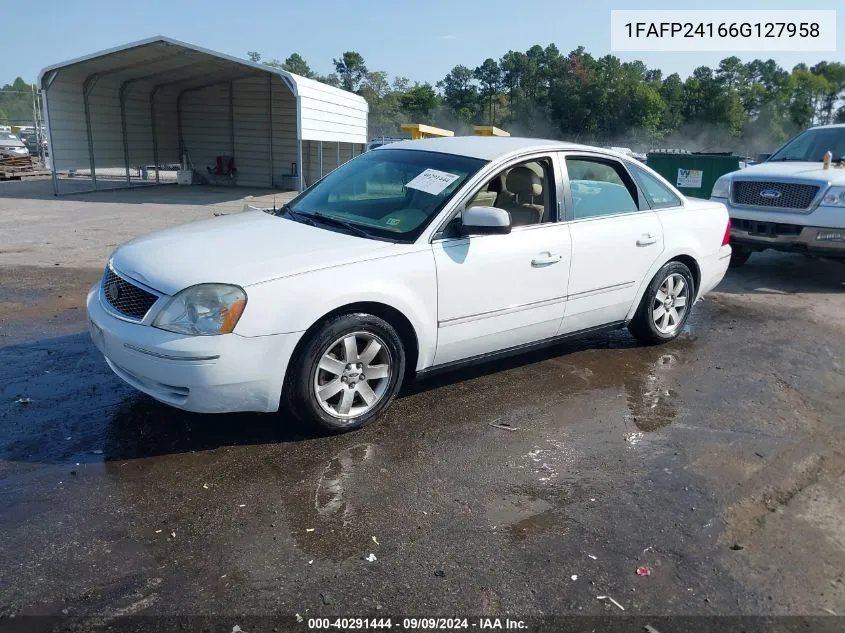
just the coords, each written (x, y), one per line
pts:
(418, 131)
(488, 130)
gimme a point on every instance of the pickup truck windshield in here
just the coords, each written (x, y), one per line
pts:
(389, 193)
(811, 145)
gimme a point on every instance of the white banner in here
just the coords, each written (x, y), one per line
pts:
(725, 31)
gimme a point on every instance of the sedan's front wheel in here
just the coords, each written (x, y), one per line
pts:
(347, 372)
(665, 306)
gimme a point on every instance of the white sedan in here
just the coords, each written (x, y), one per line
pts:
(416, 257)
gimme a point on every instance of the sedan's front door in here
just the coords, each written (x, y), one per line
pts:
(500, 291)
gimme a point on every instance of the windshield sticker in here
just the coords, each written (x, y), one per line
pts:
(393, 221)
(432, 181)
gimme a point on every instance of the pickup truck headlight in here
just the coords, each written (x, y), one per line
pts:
(835, 197)
(721, 188)
(204, 310)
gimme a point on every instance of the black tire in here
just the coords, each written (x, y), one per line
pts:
(739, 255)
(642, 326)
(300, 390)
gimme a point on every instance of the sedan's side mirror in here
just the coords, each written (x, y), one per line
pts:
(485, 221)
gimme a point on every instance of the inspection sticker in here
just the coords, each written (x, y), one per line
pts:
(690, 178)
(432, 181)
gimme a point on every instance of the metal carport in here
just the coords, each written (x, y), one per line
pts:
(112, 113)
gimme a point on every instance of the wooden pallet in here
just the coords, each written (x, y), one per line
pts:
(22, 174)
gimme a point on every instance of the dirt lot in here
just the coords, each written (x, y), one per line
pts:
(716, 461)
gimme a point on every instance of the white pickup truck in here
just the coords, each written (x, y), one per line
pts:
(790, 202)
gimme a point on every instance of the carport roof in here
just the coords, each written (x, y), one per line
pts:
(160, 61)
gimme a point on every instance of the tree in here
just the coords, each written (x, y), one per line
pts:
(254, 56)
(419, 102)
(298, 66)
(351, 69)
(459, 93)
(489, 75)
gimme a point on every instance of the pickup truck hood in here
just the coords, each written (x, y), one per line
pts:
(789, 170)
(242, 249)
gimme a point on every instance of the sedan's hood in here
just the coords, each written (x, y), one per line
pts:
(243, 249)
(792, 170)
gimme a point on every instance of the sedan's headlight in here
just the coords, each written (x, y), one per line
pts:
(721, 188)
(834, 197)
(205, 309)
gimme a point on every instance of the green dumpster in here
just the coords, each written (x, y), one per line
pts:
(693, 173)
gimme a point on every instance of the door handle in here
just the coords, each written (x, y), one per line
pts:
(646, 239)
(546, 259)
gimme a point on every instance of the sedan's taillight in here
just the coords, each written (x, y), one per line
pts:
(727, 237)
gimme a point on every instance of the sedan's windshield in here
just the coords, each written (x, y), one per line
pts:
(389, 193)
(812, 144)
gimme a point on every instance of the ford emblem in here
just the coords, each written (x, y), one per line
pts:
(113, 291)
(770, 193)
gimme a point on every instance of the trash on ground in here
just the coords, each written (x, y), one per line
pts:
(503, 425)
(830, 611)
(237, 629)
(440, 573)
(173, 534)
(24, 401)
(311, 562)
(648, 549)
(643, 571)
(299, 618)
(375, 541)
(633, 438)
(737, 547)
(574, 576)
(242, 505)
(325, 598)
(309, 529)
(371, 558)
(650, 629)
(593, 557)
(205, 486)
(158, 531)
(611, 600)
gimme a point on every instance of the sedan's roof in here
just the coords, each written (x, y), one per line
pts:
(484, 147)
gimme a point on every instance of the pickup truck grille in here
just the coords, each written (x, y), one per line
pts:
(125, 297)
(783, 195)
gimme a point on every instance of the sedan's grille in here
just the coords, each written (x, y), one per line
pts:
(784, 195)
(126, 298)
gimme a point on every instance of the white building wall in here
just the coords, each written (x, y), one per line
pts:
(205, 125)
(68, 140)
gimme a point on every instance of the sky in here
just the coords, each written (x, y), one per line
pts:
(421, 40)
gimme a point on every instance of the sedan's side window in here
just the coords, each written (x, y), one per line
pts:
(600, 187)
(526, 191)
(659, 196)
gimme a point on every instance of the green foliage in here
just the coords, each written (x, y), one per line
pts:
(16, 103)
(751, 106)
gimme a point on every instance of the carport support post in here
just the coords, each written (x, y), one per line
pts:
(87, 87)
(338, 155)
(320, 152)
(45, 87)
(122, 95)
(232, 116)
(153, 126)
(270, 117)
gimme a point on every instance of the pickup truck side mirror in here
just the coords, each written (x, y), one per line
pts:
(485, 221)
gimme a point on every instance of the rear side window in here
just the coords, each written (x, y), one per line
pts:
(599, 188)
(658, 195)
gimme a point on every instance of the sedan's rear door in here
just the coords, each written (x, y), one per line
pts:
(616, 238)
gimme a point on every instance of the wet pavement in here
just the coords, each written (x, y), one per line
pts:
(716, 461)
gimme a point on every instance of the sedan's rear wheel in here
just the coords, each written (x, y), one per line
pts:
(347, 372)
(665, 306)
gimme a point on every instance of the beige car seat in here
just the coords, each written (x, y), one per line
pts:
(525, 185)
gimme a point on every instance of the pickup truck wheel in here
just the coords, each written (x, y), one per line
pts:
(665, 306)
(739, 255)
(347, 372)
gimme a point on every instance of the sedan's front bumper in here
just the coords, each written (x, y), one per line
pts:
(206, 374)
